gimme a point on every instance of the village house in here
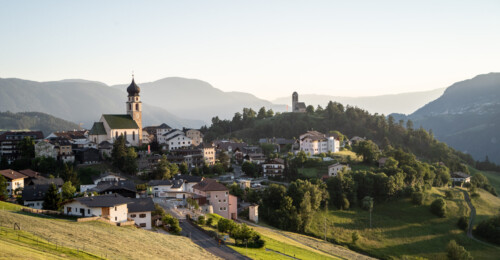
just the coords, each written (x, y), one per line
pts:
(107, 176)
(217, 195)
(34, 195)
(125, 188)
(314, 142)
(195, 135)
(30, 175)
(273, 168)
(163, 138)
(47, 181)
(112, 207)
(44, 148)
(168, 189)
(129, 125)
(189, 181)
(15, 181)
(257, 158)
(334, 169)
(139, 210)
(460, 177)
(161, 130)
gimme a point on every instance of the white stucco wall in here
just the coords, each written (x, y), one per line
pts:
(136, 216)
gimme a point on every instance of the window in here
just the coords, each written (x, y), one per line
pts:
(129, 106)
(115, 208)
(133, 216)
(133, 135)
(88, 211)
(69, 209)
(142, 224)
(142, 215)
(219, 201)
(137, 106)
(116, 219)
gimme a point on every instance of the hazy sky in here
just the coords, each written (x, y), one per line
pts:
(268, 48)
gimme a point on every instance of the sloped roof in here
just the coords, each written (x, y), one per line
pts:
(210, 185)
(188, 178)
(104, 186)
(159, 182)
(140, 205)
(42, 180)
(105, 145)
(164, 126)
(108, 200)
(30, 173)
(120, 122)
(35, 192)
(12, 175)
(98, 129)
(459, 175)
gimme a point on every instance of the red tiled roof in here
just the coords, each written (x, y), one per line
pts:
(30, 173)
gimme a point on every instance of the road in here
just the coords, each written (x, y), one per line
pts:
(208, 243)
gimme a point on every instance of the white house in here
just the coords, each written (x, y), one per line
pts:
(140, 210)
(336, 168)
(111, 206)
(107, 176)
(167, 134)
(161, 130)
(178, 141)
(168, 188)
(314, 142)
(44, 148)
(15, 180)
(460, 177)
(189, 181)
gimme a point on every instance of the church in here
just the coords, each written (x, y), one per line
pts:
(129, 125)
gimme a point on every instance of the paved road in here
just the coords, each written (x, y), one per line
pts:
(208, 243)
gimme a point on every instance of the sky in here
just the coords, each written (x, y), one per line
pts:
(267, 48)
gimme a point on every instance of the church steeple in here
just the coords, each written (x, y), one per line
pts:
(134, 106)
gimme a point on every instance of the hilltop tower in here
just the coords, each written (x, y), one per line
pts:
(295, 100)
(134, 106)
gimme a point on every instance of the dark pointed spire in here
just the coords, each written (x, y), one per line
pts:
(133, 89)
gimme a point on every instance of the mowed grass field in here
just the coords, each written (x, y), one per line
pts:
(402, 229)
(276, 247)
(96, 238)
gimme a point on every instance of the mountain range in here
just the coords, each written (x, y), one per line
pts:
(79, 101)
(466, 116)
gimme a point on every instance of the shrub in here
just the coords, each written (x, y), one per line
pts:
(210, 221)
(457, 252)
(475, 195)
(438, 207)
(490, 229)
(345, 203)
(201, 220)
(463, 222)
(448, 194)
(417, 197)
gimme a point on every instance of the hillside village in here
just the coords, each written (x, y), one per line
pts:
(161, 178)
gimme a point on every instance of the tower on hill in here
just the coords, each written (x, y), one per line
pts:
(297, 107)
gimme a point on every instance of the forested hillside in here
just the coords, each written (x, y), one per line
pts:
(350, 121)
(34, 121)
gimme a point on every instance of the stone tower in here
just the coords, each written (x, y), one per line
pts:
(134, 106)
(295, 100)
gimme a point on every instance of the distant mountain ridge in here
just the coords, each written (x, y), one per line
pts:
(197, 99)
(80, 101)
(404, 103)
(466, 116)
(34, 121)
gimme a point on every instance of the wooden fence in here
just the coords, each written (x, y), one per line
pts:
(42, 211)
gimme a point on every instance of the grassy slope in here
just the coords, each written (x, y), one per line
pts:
(102, 239)
(322, 168)
(401, 228)
(486, 206)
(277, 243)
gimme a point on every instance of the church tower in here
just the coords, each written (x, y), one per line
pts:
(295, 100)
(134, 106)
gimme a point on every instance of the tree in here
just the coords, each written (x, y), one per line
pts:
(201, 220)
(52, 200)
(463, 223)
(417, 197)
(183, 168)
(457, 252)
(68, 174)
(310, 109)
(368, 205)
(270, 113)
(3, 189)
(224, 159)
(27, 148)
(438, 207)
(262, 113)
(172, 223)
(355, 237)
(68, 190)
(368, 149)
(249, 168)
(119, 152)
(162, 169)
(267, 149)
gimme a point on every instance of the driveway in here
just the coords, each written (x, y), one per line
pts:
(208, 243)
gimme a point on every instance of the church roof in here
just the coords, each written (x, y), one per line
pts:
(133, 89)
(98, 129)
(120, 122)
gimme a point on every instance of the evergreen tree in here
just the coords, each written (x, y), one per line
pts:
(3, 189)
(68, 190)
(119, 152)
(52, 199)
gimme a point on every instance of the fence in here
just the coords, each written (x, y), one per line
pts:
(42, 211)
